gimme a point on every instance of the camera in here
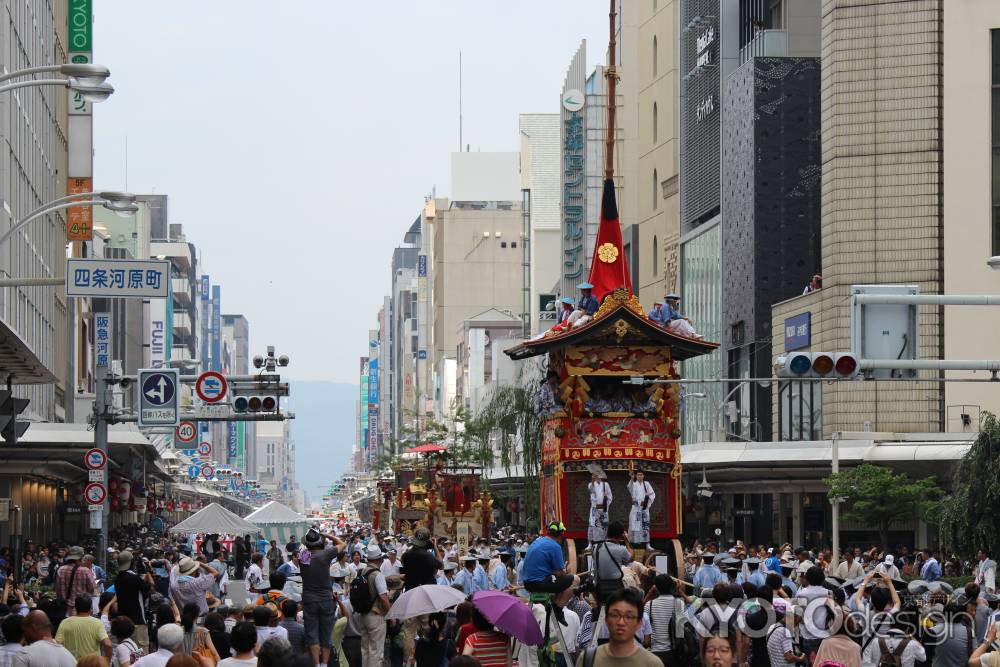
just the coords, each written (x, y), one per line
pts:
(587, 585)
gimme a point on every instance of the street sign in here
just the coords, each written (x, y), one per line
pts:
(94, 459)
(95, 475)
(207, 471)
(158, 397)
(118, 278)
(96, 520)
(205, 449)
(212, 410)
(194, 471)
(95, 493)
(187, 432)
(211, 387)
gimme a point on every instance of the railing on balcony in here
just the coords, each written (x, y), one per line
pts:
(181, 289)
(772, 43)
(182, 323)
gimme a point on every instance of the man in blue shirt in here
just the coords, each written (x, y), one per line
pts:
(708, 574)
(500, 579)
(931, 569)
(482, 581)
(671, 309)
(447, 576)
(658, 314)
(466, 576)
(756, 577)
(588, 302)
(544, 569)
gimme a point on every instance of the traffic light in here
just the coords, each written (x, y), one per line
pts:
(833, 365)
(10, 407)
(255, 404)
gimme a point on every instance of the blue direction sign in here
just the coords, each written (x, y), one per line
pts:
(158, 395)
(194, 471)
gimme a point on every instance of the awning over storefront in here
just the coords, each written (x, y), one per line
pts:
(19, 362)
(60, 448)
(918, 455)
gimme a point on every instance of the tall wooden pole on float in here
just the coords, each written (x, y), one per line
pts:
(612, 74)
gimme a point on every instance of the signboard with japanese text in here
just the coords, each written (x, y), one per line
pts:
(573, 152)
(232, 443)
(79, 219)
(798, 331)
(102, 340)
(118, 278)
(158, 397)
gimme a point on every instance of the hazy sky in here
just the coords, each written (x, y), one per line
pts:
(296, 140)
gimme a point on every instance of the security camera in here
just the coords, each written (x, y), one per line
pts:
(283, 360)
(258, 361)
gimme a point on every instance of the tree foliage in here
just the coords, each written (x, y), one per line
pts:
(876, 496)
(506, 431)
(970, 515)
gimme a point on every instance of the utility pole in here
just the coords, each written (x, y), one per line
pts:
(101, 364)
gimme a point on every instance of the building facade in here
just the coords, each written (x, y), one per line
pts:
(33, 166)
(540, 157)
(971, 200)
(882, 209)
(659, 150)
(770, 221)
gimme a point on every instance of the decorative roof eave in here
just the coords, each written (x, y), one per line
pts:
(619, 322)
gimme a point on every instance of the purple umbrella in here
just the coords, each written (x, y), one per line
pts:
(509, 615)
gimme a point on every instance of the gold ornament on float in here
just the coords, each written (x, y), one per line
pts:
(607, 253)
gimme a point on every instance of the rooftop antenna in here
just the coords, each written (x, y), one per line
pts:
(459, 100)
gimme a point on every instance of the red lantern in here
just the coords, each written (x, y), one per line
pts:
(185, 506)
(170, 506)
(113, 486)
(115, 504)
(150, 504)
(513, 506)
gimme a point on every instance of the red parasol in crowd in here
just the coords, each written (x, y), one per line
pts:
(427, 448)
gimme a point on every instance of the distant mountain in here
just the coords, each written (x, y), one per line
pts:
(323, 431)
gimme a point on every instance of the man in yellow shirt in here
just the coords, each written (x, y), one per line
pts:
(82, 634)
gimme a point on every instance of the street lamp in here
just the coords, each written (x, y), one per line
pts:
(85, 72)
(91, 92)
(120, 203)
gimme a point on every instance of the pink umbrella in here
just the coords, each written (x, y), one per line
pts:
(509, 615)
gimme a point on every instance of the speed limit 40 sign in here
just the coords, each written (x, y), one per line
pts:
(187, 431)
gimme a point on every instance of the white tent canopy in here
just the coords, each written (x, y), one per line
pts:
(275, 512)
(279, 522)
(215, 519)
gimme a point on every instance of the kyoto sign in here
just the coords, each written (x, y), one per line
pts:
(118, 278)
(187, 431)
(158, 397)
(95, 459)
(211, 387)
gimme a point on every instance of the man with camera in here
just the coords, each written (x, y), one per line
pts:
(609, 555)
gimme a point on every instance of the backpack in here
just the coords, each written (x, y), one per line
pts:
(891, 658)
(362, 594)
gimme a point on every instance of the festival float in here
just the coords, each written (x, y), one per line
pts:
(611, 417)
(446, 498)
